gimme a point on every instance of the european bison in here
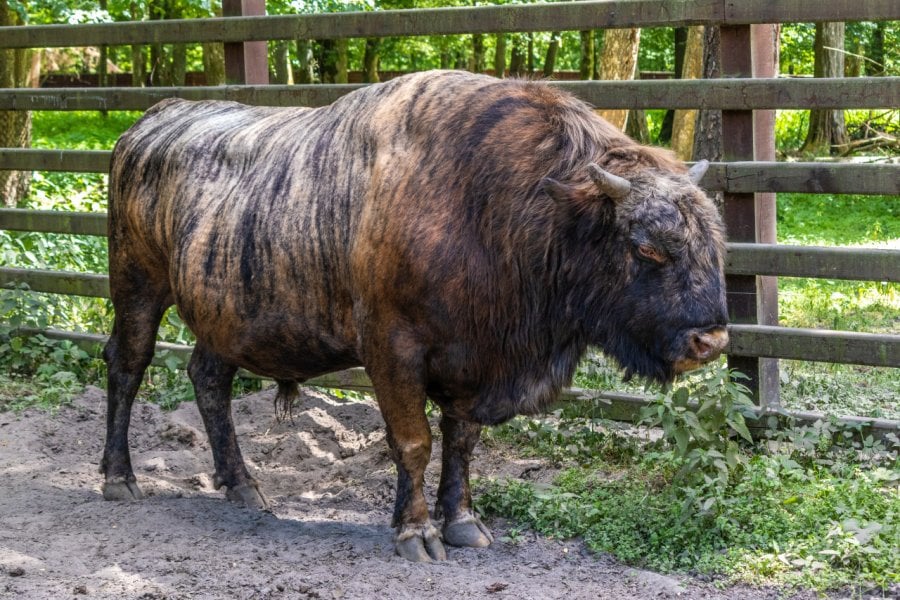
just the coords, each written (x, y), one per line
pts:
(462, 237)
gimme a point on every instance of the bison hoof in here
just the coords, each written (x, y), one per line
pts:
(420, 544)
(247, 495)
(121, 489)
(468, 531)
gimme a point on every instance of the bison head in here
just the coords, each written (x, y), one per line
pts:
(655, 300)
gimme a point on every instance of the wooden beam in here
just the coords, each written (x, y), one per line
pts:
(618, 406)
(574, 16)
(53, 221)
(809, 177)
(727, 94)
(739, 209)
(746, 340)
(31, 159)
(57, 282)
(874, 349)
(859, 264)
(599, 14)
(245, 62)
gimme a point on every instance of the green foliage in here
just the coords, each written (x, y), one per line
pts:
(701, 421)
(816, 506)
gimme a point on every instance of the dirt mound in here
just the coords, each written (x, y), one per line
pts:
(330, 483)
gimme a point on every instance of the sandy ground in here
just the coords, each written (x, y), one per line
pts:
(331, 487)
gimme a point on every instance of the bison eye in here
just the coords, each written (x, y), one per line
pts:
(649, 253)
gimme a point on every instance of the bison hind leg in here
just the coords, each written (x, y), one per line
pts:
(127, 353)
(212, 378)
(462, 527)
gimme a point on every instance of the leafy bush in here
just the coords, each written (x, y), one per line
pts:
(816, 506)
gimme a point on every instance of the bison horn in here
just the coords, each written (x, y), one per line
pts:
(696, 173)
(609, 184)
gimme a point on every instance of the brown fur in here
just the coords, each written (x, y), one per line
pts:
(409, 228)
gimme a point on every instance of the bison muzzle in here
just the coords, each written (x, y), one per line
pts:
(461, 237)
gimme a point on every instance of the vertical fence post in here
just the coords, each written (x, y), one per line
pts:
(747, 300)
(245, 62)
(764, 52)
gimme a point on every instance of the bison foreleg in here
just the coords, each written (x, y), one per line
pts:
(212, 379)
(461, 526)
(127, 354)
(401, 398)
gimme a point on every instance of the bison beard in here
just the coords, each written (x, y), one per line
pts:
(461, 237)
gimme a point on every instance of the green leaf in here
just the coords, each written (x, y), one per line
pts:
(737, 423)
(681, 440)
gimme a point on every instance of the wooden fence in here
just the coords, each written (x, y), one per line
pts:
(754, 338)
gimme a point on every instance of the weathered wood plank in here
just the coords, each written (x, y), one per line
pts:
(859, 264)
(874, 349)
(32, 159)
(746, 340)
(803, 11)
(618, 407)
(384, 23)
(727, 94)
(598, 14)
(57, 282)
(809, 177)
(53, 221)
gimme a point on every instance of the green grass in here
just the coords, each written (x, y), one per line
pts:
(780, 523)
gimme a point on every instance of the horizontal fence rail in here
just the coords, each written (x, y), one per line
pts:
(603, 14)
(616, 406)
(737, 177)
(858, 264)
(726, 94)
(879, 350)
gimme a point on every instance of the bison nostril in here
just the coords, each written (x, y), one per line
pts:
(710, 344)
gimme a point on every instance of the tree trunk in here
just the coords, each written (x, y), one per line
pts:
(15, 126)
(214, 54)
(619, 61)
(334, 61)
(708, 136)
(517, 58)
(214, 63)
(586, 65)
(500, 56)
(178, 71)
(282, 63)
(826, 126)
(138, 62)
(552, 51)
(681, 36)
(476, 64)
(636, 126)
(684, 124)
(875, 66)
(370, 60)
(102, 70)
(305, 57)
(530, 53)
(461, 61)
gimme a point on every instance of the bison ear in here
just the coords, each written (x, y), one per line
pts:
(696, 173)
(558, 191)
